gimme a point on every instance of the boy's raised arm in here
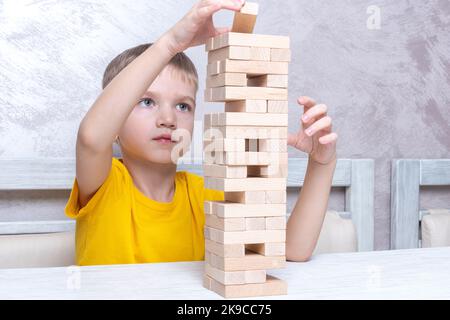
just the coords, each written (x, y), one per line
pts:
(104, 119)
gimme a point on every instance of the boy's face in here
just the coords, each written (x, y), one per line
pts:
(163, 114)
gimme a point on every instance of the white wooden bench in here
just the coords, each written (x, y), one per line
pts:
(407, 176)
(355, 175)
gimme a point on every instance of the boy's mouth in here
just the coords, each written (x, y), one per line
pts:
(164, 138)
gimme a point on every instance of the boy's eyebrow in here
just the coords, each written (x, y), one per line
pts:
(178, 97)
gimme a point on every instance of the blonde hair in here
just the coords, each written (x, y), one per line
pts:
(180, 61)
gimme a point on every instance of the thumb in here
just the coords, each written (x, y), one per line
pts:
(292, 139)
(221, 30)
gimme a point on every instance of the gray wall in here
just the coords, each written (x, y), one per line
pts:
(387, 88)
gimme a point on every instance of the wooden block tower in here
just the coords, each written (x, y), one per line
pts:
(245, 155)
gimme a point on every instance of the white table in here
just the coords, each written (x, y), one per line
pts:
(396, 274)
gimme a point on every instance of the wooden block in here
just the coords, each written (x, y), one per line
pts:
(249, 197)
(247, 40)
(278, 132)
(221, 171)
(228, 93)
(269, 81)
(246, 106)
(239, 210)
(235, 277)
(224, 250)
(229, 224)
(271, 287)
(207, 282)
(260, 54)
(207, 120)
(207, 207)
(244, 20)
(250, 119)
(251, 261)
(234, 132)
(275, 196)
(269, 249)
(280, 106)
(245, 237)
(247, 66)
(226, 79)
(247, 184)
(215, 133)
(274, 223)
(241, 158)
(224, 145)
(272, 145)
(232, 53)
(278, 167)
(282, 55)
(252, 224)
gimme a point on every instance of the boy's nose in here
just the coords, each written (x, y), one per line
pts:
(166, 118)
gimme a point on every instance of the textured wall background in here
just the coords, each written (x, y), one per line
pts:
(388, 88)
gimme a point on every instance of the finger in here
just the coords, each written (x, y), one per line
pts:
(315, 112)
(307, 102)
(292, 139)
(208, 8)
(329, 138)
(221, 30)
(321, 124)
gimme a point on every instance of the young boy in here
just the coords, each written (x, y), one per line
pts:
(139, 209)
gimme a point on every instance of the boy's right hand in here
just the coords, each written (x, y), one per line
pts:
(197, 25)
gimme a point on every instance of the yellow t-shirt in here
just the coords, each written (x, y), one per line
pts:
(121, 225)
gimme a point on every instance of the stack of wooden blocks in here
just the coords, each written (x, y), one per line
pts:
(245, 155)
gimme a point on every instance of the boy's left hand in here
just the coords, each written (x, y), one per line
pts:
(315, 136)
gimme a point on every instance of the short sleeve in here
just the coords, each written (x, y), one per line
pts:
(214, 195)
(112, 188)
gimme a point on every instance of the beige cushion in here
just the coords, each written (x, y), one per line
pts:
(37, 250)
(436, 228)
(337, 235)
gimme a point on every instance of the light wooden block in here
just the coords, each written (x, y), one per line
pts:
(231, 53)
(226, 79)
(224, 145)
(274, 223)
(269, 249)
(229, 93)
(282, 55)
(280, 106)
(247, 184)
(235, 277)
(224, 250)
(252, 224)
(244, 20)
(229, 224)
(234, 132)
(246, 106)
(250, 119)
(247, 40)
(207, 207)
(272, 287)
(279, 196)
(248, 197)
(222, 171)
(240, 158)
(247, 66)
(251, 261)
(244, 237)
(260, 54)
(240, 210)
(269, 80)
(272, 145)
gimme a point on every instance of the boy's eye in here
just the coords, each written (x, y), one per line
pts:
(183, 107)
(147, 102)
